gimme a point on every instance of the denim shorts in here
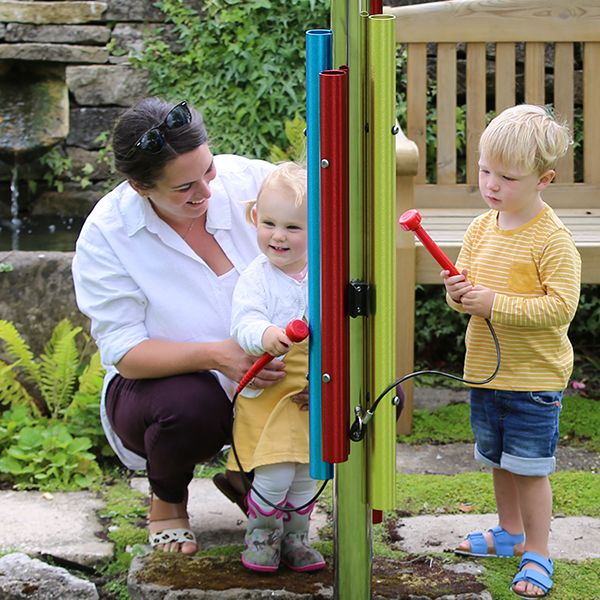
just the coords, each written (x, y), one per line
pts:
(516, 431)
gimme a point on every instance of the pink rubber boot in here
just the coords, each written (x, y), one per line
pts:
(263, 538)
(296, 552)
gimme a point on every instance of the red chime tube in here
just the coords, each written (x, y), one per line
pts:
(334, 264)
(376, 7)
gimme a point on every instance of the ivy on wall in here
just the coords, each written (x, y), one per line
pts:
(240, 63)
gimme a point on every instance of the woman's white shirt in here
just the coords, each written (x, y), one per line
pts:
(136, 278)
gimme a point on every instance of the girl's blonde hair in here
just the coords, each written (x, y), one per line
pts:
(526, 137)
(288, 176)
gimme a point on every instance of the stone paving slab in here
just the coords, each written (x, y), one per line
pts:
(61, 524)
(571, 538)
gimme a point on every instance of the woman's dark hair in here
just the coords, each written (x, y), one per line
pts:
(143, 167)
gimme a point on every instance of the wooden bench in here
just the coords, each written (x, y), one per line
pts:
(506, 52)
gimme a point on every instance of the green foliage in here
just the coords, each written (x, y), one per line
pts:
(575, 493)
(296, 150)
(585, 328)
(446, 425)
(51, 424)
(580, 422)
(240, 63)
(437, 327)
(58, 167)
(572, 580)
(47, 457)
(125, 509)
(440, 333)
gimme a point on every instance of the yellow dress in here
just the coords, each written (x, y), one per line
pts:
(271, 428)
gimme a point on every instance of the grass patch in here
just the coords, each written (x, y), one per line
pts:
(572, 580)
(446, 425)
(580, 422)
(575, 493)
(124, 511)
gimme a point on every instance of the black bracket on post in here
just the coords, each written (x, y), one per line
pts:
(359, 301)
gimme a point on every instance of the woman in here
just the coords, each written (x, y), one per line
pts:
(155, 266)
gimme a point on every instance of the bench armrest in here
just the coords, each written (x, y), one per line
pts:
(407, 154)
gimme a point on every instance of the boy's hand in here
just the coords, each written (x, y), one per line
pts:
(275, 341)
(456, 285)
(479, 301)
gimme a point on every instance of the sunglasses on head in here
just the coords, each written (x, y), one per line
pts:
(153, 140)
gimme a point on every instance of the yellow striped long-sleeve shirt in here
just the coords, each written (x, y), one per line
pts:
(535, 271)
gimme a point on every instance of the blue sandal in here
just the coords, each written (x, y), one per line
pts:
(504, 543)
(532, 576)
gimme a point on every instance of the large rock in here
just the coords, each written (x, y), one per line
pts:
(24, 577)
(34, 113)
(68, 34)
(38, 293)
(20, 11)
(133, 10)
(104, 85)
(62, 53)
(88, 123)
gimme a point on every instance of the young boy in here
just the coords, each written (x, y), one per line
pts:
(519, 269)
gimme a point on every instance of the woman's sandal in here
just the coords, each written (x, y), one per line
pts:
(166, 511)
(541, 580)
(504, 543)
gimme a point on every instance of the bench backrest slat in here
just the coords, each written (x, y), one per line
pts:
(591, 112)
(563, 102)
(503, 52)
(504, 21)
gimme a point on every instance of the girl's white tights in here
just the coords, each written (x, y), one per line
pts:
(283, 481)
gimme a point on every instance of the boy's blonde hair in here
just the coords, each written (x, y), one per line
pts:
(526, 137)
(288, 176)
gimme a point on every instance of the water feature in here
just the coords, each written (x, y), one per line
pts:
(34, 116)
(15, 222)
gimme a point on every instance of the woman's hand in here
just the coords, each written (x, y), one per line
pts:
(233, 362)
(301, 399)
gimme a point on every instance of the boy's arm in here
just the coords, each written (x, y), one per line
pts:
(560, 274)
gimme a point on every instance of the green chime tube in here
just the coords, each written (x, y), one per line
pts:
(381, 93)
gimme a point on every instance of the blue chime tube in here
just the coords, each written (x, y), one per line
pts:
(318, 58)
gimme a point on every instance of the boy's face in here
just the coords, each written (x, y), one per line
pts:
(281, 230)
(509, 190)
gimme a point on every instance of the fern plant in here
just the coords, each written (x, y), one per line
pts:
(50, 424)
(48, 383)
(295, 132)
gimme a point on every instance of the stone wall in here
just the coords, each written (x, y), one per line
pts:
(38, 293)
(90, 44)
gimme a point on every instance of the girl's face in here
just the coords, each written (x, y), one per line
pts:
(509, 190)
(281, 229)
(183, 191)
